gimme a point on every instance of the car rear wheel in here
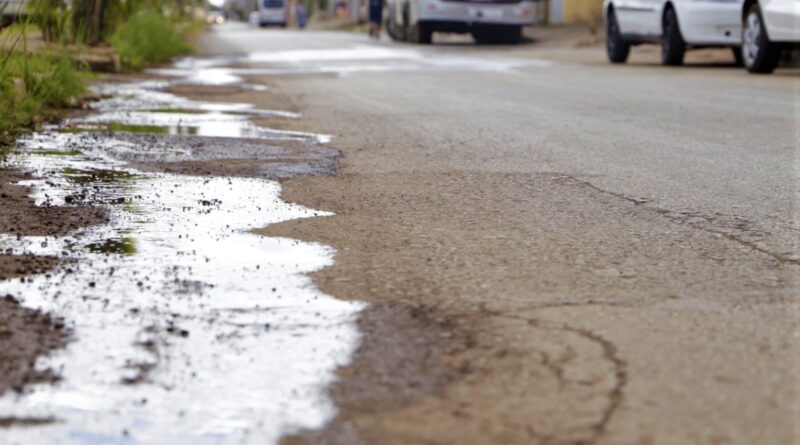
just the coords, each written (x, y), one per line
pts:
(392, 29)
(673, 47)
(758, 53)
(488, 34)
(420, 33)
(616, 47)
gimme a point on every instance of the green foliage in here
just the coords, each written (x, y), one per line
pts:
(31, 86)
(15, 113)
(53, 18)
(148, 38)
(51, 80)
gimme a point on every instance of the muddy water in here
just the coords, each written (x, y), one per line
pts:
(189, 329)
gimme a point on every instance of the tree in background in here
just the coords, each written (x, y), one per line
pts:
(52, 17)
(89, 20)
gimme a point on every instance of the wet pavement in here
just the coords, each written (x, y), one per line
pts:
(187, 328)
(553, 251)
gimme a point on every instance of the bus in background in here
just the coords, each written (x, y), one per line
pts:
(489, 21)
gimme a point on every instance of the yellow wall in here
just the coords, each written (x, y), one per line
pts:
(583, 11)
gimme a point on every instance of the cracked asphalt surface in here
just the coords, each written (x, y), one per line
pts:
(562, 253)
(556, 251)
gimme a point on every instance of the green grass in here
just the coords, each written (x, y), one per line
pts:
(148, 38)
(32, 86)
(116, 127)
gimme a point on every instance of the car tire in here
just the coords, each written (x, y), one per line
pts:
(673, 47)
(389, 24)
(420, 33)
(511, 35)
(498, 34)
(481, 37)
(394, 31)
(617, 48)
(760, 56)
(738, 59)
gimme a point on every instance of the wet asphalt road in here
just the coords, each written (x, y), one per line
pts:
(619, 243)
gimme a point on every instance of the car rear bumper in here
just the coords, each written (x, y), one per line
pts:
(458, 15)
(272, 18)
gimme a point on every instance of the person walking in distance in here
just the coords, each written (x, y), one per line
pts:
(302, 15)
(375, 18)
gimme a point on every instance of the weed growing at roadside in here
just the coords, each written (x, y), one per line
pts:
(32, 85)
(148, 38)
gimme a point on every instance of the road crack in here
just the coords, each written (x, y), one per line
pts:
(690, 219)
(610, 353)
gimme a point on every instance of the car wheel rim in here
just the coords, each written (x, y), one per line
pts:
(752, 34)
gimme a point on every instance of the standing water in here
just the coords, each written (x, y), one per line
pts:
(188, 329)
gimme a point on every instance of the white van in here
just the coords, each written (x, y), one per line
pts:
(676, 24)
(770, 26)
(489, 21)
(272, 12)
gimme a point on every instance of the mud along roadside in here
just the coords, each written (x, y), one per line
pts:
(26, 335)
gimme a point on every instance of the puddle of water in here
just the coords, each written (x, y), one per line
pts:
(237, 343)
(149, 95)
(338, 61)
(142, 107)
(96, 176)
(188, 329)
(120, 246)
(115, 127)
(173, 124)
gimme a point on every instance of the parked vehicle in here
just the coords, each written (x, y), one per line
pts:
(677, 25)
(489, 21)
(769, 27)
(272, 12)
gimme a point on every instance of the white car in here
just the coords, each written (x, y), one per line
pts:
(489, 21)
(769, 27)
(676, 24)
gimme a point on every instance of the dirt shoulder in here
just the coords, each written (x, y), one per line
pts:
(25, 334)
(21, 216)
